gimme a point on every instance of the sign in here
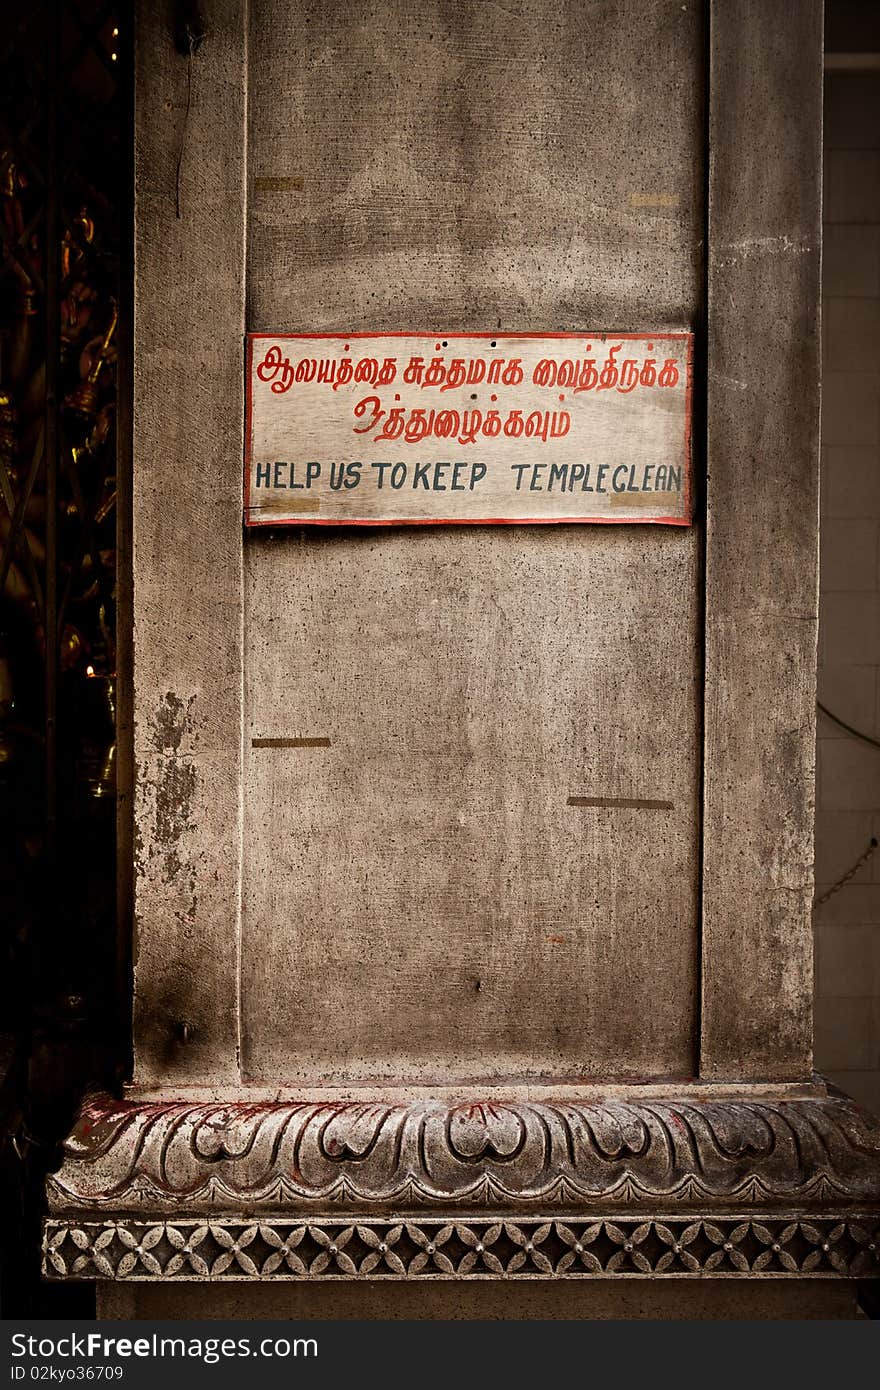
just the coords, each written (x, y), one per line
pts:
(388, 429)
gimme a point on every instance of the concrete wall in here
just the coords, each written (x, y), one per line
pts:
(565, 660)
(427, 866)
(847, 1020)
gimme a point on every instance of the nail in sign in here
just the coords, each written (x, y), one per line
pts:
(387, 429)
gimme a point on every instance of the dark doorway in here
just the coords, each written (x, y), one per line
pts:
(65, 267)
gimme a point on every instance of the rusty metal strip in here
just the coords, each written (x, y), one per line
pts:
(626, 803)
(279, 184)
(290, 743)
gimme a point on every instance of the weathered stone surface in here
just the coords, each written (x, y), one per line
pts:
(495, 1299)
(416, 904)
(187, 562)
(263, 1189)
(761, 537)
(419, 898)
(678, 1152)
(220, 1248)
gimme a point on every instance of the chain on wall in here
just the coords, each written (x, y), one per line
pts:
(63, 200)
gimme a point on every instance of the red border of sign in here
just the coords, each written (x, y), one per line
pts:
(685, 519)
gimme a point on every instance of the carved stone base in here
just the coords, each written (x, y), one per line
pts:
(279, 1248)
(684, 1187)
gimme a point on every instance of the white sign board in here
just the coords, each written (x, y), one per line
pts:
(367, 429)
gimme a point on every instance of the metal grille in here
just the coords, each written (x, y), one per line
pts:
(64, 197)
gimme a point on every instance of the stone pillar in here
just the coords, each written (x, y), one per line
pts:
(473, 871)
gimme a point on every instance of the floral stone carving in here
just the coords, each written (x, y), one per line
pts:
(257, 1189)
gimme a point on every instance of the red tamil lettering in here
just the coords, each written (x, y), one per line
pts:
(589, 376)
(393, 426)
(344, 374)
(669, 374)
(513, 372)
(271, 365)
(447, 424)
(455, 376)
(373, 404)
(608, 378)
(629, 376)
(366, 371)
(537, 425)
(436, 373)
(470, 426)
(513, 425)
(418, 426)
(306, 369)
(545, 372)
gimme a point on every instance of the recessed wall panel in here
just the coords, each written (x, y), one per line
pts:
(472, 753)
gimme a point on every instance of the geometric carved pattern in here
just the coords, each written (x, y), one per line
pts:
(695, 1185)
(437, 1249)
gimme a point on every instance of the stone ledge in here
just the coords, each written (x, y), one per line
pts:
(684, 1185)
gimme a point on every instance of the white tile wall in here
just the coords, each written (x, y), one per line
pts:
(847, 927)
